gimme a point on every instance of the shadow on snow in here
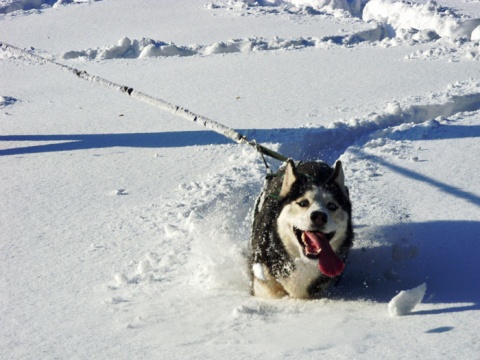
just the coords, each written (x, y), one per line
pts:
(298, 143)
(99, 141)
(443, 254)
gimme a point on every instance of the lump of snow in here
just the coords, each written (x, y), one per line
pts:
(393, 109)
(170, 230)
(476, 34)
(351, 6)
(143, 267)
(405, 301)
(222, 48)
(258, 271)
(121, 279)
(430, 16)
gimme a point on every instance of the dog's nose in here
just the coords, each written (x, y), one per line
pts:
(319, 218)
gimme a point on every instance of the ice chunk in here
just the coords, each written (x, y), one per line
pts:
(476, 34)
(405, 301)
(258, 271)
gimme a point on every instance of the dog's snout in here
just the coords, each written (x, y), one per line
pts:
(319, 218)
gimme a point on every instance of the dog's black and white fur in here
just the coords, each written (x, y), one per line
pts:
(302, 231)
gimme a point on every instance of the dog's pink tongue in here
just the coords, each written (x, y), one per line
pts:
(328, 262)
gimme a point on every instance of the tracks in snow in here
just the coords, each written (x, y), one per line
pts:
(390, 24)
(205, 227)
(215, 209)
(144, 47)
(329, 143)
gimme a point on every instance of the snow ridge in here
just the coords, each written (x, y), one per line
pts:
(397, 16)
(405, 15)
(145, 47)
(392, 23)
(469, 51)
(304, 7)
(18, 6)
(330, 142)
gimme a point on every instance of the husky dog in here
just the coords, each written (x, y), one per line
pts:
(302, 231)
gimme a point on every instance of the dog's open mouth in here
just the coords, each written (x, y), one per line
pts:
(316, 245)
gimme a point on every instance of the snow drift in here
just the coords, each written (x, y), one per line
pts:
(430, 16)
(10, 6)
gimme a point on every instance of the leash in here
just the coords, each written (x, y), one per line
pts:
(166, 106)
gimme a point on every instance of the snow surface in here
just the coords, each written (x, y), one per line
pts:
(124, 229)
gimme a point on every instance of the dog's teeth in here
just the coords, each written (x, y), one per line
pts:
(303, 238)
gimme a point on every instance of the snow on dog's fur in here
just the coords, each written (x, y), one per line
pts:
(301, 232)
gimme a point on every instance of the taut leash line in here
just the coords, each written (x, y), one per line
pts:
(166, 106)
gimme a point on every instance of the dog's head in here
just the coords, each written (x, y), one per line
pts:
(315, 213)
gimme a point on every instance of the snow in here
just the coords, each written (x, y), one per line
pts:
(10, 6)
(406, 15)
(125, 228)
(406, 300)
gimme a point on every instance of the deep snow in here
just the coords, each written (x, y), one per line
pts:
(124, 229)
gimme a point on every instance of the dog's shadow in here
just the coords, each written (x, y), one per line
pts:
(442, 254)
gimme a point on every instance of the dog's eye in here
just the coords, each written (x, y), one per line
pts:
(303, 203)
(332, 207)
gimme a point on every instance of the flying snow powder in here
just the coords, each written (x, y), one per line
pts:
(405, 301)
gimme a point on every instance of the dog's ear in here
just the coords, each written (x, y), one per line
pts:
(288, 178)
(338, 177)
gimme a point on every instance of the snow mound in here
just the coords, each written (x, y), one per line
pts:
(468, 51)
(430, 16)
(351, 6)
(311, 7)
(405, 301)
(125, 48)
(10, 6)
(476, 34)
(145, 47)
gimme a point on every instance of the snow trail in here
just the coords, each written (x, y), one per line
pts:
(397, 16)
(145, 48)
(218, 206)
(404, 15)
(329, 143)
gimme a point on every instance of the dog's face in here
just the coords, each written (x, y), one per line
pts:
(316, 211)
(313, 221)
